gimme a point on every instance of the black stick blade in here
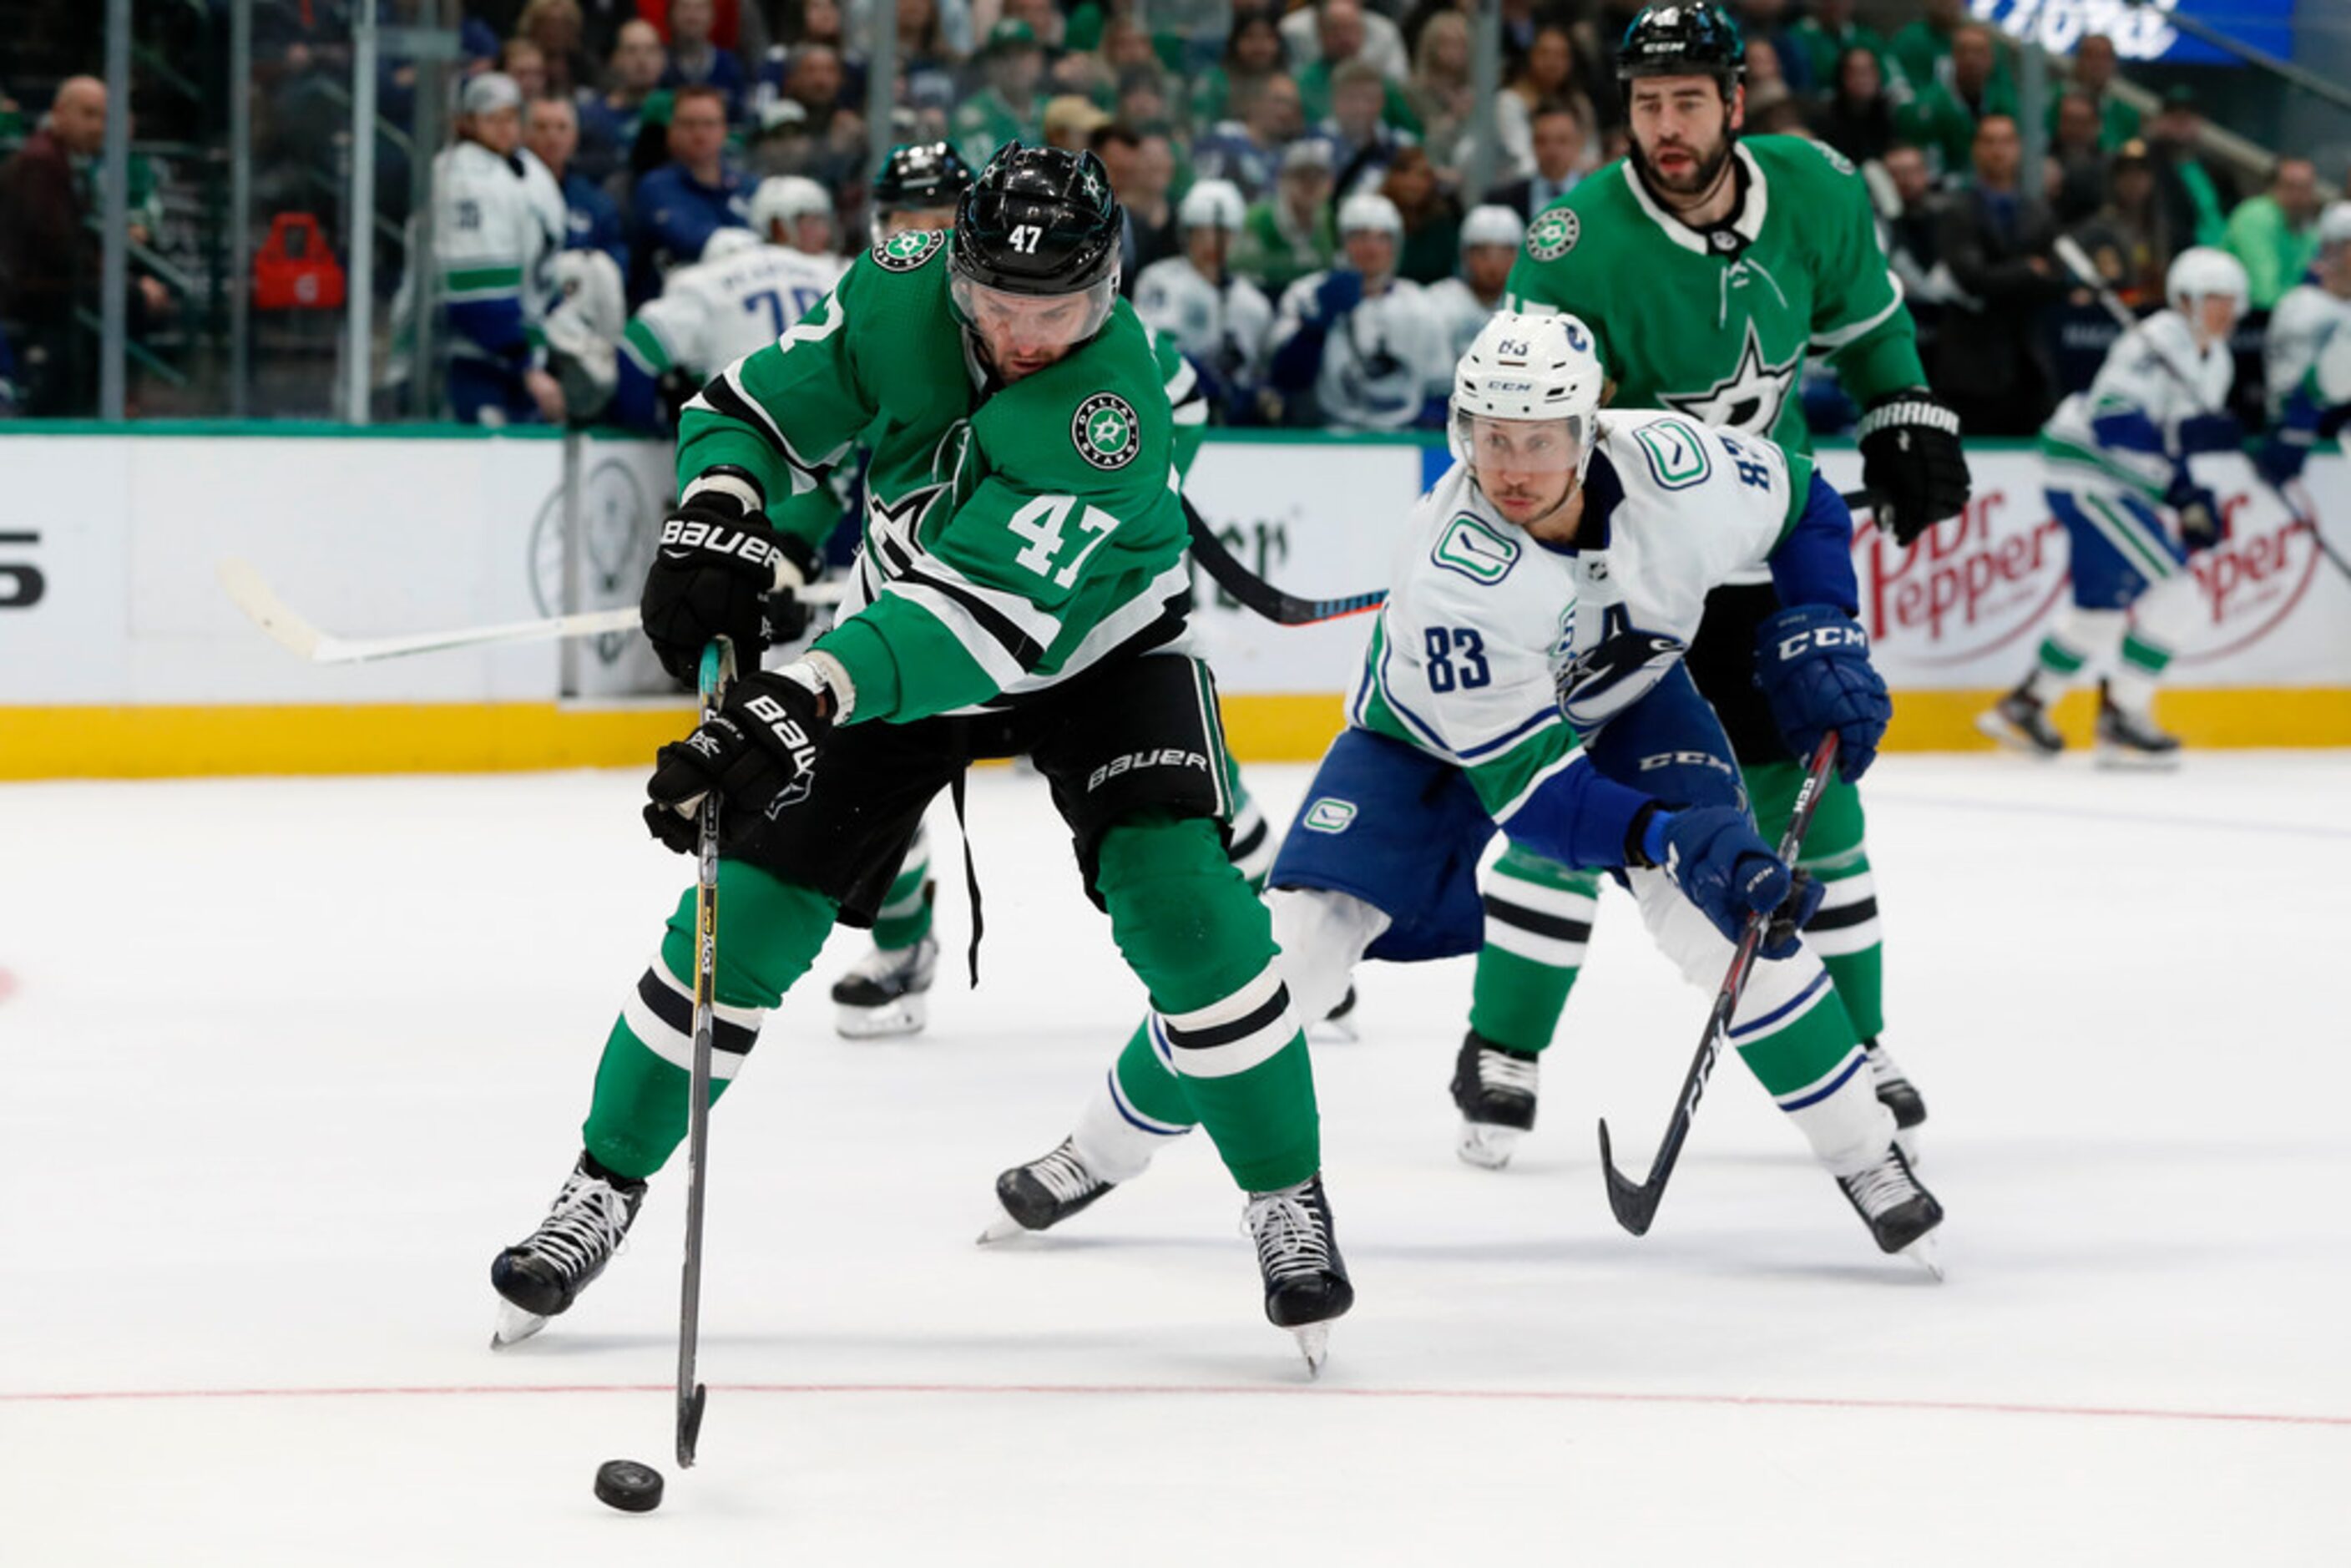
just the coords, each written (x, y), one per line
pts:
(689, 1424)
(1635, 1204)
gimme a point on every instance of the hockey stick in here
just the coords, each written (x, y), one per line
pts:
(251, 593)
(1260, 596)
(717, 670)
(1636, 1205)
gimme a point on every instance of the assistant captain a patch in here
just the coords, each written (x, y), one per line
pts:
(1553, 234)
(1105, 432)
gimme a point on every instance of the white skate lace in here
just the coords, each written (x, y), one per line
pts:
(1290, 1240)
(1496, 1071)
(1064, 1176)
(1882, 1186)
(587, 1223)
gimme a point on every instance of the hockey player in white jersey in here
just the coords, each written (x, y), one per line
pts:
(2117, 457)
(1355, 344)
(746, 290)
(2306, 355)
(1491, 237)
(1544, 591)
(499, 223)
(1220, 321)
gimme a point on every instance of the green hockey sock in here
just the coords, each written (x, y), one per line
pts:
(1149, 1087)
(1844, 933)
(768, 933)
(904, 917)
(1539, 917)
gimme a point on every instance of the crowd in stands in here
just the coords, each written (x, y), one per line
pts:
(1298, 184)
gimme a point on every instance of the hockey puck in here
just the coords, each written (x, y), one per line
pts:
(628, 1486)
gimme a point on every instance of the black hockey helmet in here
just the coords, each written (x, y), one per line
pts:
(1039, 220)
(921, 175)
(1683, 40)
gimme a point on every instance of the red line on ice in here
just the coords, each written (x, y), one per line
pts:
(1560, 1395)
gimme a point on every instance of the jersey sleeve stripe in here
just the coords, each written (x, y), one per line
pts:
(1503, 742)
(724, 395)
(985, 649)
(1016, 611)
(965, 611)
(1838, 337)
(1421, 726)
(1516, 803)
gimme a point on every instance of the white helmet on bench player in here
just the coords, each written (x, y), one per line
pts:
(2200, 273)
(1524, 371)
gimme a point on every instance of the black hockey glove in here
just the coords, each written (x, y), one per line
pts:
(1813, 663)
(713, 575)
(758, 752)
(1911, 462)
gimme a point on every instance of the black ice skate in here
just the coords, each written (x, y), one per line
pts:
(543, 1274)
(1901, 1214)
(2131, 739)
(883, 994)
(1306, 1282)
(1495, 1088)
(2021, 722)
(1043, 1193)
(1895, 1091)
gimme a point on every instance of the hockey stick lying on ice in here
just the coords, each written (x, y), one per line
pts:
(1636, 1205)
(717, 670)
(261, 605)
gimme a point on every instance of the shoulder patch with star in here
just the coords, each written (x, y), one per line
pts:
(905, 252)
(1104, 430)
(1553, 234)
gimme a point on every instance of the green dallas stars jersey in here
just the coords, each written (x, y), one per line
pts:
(1716, 324)
(1012, 538)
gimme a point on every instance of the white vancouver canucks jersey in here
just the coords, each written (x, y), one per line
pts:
(1378, 360)
(1172, 297)
(497, 224)
(2307, 324)
(2154, 369)
(712, 313)
(1460, 315)
(1481, 616)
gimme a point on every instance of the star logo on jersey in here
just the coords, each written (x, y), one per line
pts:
(905, 252)
(1553, 234)
(1749, 398)
(1104, 430)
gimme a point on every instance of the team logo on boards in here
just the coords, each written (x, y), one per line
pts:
(1104, 430)
(1553, 234)
(905, 252)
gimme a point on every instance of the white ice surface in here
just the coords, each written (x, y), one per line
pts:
(286, 1061)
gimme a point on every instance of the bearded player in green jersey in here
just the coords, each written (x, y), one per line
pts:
(1022, 588)
(1708, 267)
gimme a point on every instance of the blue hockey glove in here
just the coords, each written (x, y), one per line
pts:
(1714, 855)
(1341, 291)
(1813, 663)
(2211, 432)
(2198, 509)
(2279, 457)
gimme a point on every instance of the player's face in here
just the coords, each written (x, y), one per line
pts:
(1371, 252)
(1024, 333)
(1681, 127)
(900, 222)
(500, 130)
(1488, 267)
(1206, 246)
(812, 234)
(2216, 317)
(1525, 466)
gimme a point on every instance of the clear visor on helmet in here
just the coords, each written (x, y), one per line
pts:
(1498, 447)
(1021, 327)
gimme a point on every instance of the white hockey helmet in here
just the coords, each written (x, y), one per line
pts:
(1370, 211)
(2201, 271)
(1213, 203)
(723, 243)
(1528, 370)
(2335, 225)
(1493, 225)
(788, 197)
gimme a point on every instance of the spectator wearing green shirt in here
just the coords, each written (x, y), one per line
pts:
(2093, 69)
(1339, 29)
(1006, 108)
(2276, 234)
(1291, 232)
(1253, 51)
(1826, 34)
(1943, 117)
(1920, 49)
(2197, 192)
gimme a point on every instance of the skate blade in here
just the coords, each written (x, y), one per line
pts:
(891, 1021)
(2122, 759)
(1314, 1344)
(1928, 1253)
(513, 1326)
(1003, 1228)
(1338, 1031)
(1993, 728)
(1486, 1145)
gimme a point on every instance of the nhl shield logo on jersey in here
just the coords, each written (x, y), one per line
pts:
(907, 251)
(1553, 234)
(1104, 430)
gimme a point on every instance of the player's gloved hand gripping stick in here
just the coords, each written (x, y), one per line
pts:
(1636, 1205)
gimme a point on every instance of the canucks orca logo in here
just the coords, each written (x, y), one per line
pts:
(1553, 234)
(905, 252)
(1104, 430)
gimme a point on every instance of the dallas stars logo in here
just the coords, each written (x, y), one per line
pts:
(1553, 234)
(1749, 398)
(1104, 430)
(905, 252)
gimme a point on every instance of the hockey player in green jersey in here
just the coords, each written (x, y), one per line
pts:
(1708, 267)
(1022, 588)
